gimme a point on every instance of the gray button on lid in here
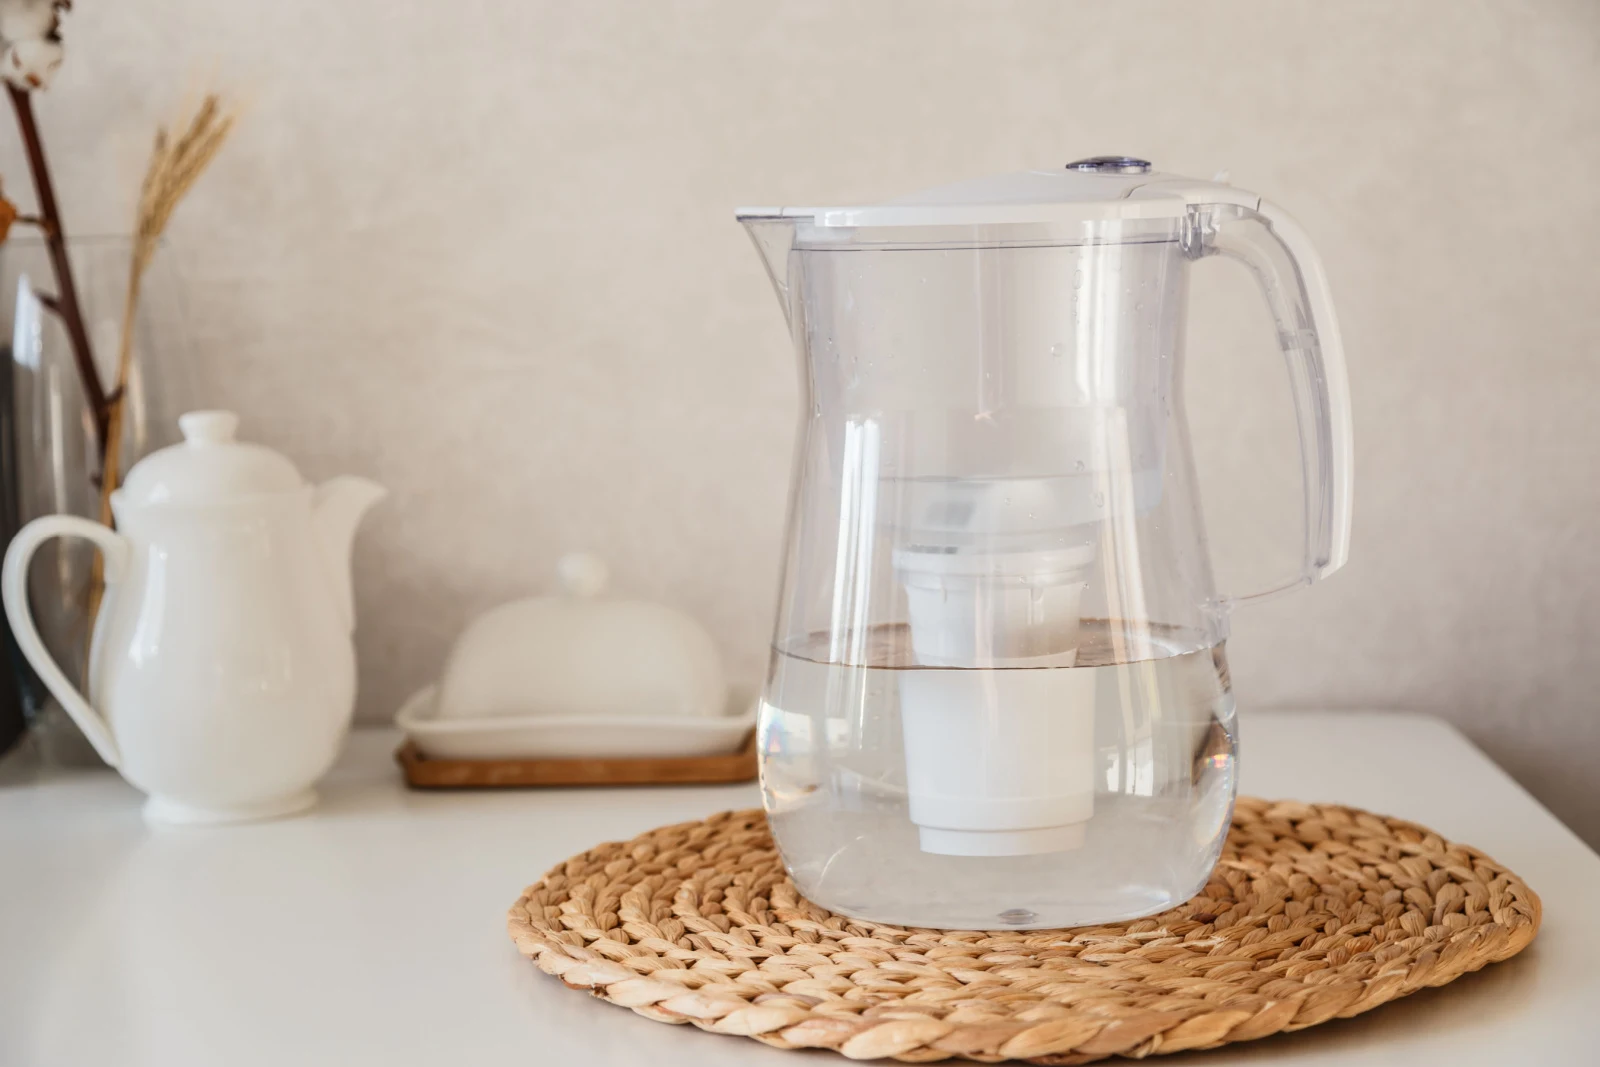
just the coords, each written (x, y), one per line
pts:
(1111, 165)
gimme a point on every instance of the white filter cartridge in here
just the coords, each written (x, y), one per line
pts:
(998, 723)
(999, 762)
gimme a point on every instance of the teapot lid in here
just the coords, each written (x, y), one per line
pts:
(208, 466)
(1100, 187)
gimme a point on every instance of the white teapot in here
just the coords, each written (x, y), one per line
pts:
(221, 673)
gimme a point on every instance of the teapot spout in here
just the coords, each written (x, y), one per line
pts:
(337, 508)
(773, 235)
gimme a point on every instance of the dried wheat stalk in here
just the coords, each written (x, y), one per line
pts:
(174, 167)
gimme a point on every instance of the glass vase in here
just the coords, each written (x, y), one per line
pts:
(49, 461)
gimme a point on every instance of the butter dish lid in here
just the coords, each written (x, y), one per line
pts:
(582, 653)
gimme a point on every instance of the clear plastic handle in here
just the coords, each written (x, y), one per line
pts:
(1276, 250)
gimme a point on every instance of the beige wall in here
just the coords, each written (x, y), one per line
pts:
(484, 252)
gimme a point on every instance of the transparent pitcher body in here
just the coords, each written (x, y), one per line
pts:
(998, 692)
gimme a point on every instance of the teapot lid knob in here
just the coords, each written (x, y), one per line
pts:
(582, 574)
(208, 427)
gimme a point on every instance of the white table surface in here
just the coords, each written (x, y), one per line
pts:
(371, 930)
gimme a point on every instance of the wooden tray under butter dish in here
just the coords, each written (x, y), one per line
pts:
(424, 773)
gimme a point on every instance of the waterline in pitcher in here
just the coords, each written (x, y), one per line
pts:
(1137, 759)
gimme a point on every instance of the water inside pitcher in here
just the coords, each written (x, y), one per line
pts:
(998, 692)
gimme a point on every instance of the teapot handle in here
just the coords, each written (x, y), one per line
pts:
(1276, 250)
(14, 592)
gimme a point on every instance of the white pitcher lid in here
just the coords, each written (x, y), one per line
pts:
(208, 466)
(1085, 190)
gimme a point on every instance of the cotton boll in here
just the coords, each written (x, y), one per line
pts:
(27, 20)
(31, 64)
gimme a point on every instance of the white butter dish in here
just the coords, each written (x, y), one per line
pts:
(579, 675)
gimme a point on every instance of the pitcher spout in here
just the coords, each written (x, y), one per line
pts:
(772, 232)
(337, 509)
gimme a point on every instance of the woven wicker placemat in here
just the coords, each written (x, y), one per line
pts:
(1314, 912)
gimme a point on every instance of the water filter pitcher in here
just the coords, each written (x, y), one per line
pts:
(999, 691)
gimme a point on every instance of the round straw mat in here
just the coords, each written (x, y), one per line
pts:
(1314, 912)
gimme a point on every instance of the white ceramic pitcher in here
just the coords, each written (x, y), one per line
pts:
(221, 673)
